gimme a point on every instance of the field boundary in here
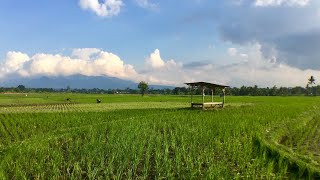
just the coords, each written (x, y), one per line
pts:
(267, 144)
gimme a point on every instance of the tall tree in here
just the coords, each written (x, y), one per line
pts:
(311, 81)
(21, 88)
(143, 86)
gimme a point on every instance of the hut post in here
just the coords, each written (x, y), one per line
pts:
(224, 96)
(212, 95)
(202, 97)
(191, 95)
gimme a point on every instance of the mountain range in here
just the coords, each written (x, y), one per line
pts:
(74, 82)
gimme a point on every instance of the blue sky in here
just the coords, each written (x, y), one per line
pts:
(51, 26)
(235, 42)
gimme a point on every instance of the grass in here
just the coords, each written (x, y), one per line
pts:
(155, 137)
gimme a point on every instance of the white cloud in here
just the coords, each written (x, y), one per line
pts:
(245, 56)
(107, 8)
(232, 51)
(290, 26)
(147, 4)
(281, 2)
(154, 60)
(255, 70)
(90, 62)
(15, 61)
(85, 53)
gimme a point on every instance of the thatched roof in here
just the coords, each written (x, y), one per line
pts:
(206, 84)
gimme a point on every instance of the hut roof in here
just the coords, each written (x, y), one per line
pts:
(206, 84)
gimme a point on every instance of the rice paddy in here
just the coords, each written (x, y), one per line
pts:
(157, 137)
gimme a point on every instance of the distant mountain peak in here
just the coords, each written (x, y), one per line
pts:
(77, 81)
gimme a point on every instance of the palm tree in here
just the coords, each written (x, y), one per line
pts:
(311, 81)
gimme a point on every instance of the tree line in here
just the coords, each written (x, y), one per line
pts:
(255, 91)
(143, 88)
(235, 91)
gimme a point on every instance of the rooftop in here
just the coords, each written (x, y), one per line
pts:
(206, 84)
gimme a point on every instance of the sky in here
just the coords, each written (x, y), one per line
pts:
(165, 42)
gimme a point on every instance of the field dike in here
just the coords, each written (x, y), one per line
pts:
(293, 145)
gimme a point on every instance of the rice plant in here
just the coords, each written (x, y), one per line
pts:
(159, 138)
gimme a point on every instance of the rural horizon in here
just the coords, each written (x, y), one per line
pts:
(150, 89)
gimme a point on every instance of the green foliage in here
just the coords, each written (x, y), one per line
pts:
(21, 88)
(156, 137)
(310, 88)
(235, 91)
(143, 86)
(311, 80)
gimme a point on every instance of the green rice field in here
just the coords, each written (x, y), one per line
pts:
(44, 136)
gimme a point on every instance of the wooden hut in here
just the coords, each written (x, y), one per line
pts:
(203, 86)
